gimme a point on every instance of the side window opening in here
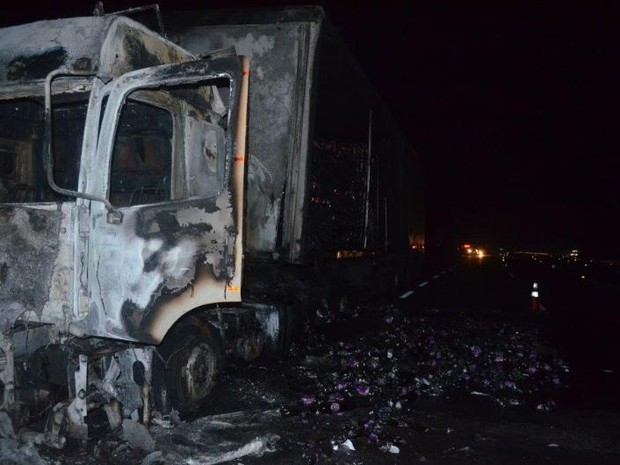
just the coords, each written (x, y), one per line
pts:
(68, 132)
(142, 157)
(170, 144)
(22, 165)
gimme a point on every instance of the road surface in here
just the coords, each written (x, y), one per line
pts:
(459, 369)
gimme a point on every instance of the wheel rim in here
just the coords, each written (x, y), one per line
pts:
(197, 373)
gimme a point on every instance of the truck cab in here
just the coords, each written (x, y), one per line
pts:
(122, 162)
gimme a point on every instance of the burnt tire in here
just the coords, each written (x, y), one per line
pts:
(190, 375)
(185, 369)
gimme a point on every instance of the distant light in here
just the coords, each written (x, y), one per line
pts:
(583, 276)
(466, 246)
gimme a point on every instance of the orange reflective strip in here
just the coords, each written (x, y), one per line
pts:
(246, 72)
(239, 158)
(233, 288)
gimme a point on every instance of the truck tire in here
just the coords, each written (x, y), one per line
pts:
(190, 375)
(185, 370)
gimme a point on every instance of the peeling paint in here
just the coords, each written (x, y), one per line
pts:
(255, 47)
(175, 255)
(193, 216)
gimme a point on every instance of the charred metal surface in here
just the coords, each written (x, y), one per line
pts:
(130, 46)
(111, 45)
(138, 55)
(307, 88)
(35, 263)
(125, 273)
(36, 66)
(165, 259)
(156, 255)
(281, 56)
(29, 52)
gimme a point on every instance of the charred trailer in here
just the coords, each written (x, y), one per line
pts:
(122, 162)
(335, 194)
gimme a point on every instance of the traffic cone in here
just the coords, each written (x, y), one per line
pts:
(534, 301)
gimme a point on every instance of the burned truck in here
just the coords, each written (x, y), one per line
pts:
(149, 182)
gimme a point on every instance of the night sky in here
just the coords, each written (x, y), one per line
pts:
(513, 108)
(514, 111)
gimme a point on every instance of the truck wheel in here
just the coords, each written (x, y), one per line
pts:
(185, 367)
(190, 375)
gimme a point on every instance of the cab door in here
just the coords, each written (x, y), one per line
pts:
(170, 160)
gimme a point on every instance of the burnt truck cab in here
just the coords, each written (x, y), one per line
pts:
(121, 206)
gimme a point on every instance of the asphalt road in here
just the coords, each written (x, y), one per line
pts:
(581, 318)
(579, 312)
(411, 371)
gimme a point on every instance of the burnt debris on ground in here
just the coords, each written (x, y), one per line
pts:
(401, 356)
(351, 390)
(382, 360)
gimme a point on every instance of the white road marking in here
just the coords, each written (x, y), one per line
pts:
(423, 284)
(406, 294)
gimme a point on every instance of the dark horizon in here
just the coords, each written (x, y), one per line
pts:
(510, 108)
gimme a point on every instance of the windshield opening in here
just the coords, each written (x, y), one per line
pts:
(22, 168)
